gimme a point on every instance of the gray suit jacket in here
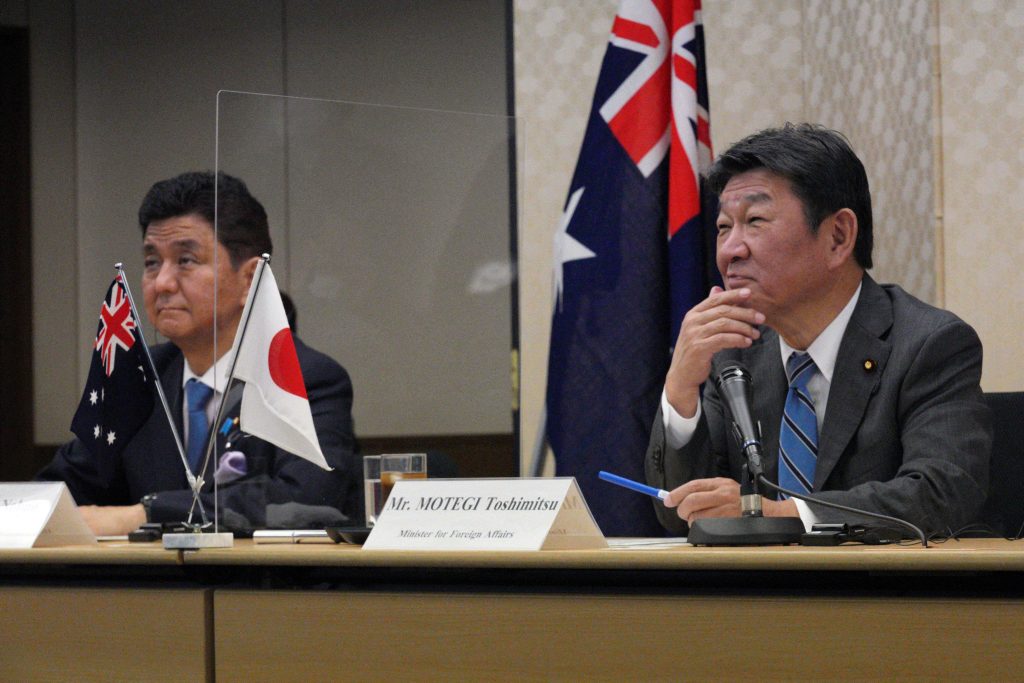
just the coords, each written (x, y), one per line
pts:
(906, 432)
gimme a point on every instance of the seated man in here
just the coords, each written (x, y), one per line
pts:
(866, 396)
(148, 482)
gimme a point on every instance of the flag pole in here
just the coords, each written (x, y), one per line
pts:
(194, 483)
(212, 437)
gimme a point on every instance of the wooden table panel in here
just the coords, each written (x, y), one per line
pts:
(101, 634)
(319, 636)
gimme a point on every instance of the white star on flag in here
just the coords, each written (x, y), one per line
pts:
(567, 247)
(111, 438)
(93, 397)
(96, 431)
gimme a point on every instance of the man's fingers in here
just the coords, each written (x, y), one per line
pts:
(698, 498)
(726, 312)
(707, 513)
(680, 493)
(726, 326)
(719, 296)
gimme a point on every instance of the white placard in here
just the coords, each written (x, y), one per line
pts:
(39, 515)
(485, 514)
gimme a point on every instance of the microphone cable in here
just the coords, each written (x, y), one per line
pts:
(836, 506)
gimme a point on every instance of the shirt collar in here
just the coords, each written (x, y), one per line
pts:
(216, 377)
(825, 348)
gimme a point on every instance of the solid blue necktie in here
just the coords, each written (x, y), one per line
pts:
(798, 436)
(198, 395)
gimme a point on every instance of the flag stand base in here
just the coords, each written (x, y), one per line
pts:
(195, 541)
(745, 531)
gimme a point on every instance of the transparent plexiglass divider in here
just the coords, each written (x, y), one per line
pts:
(394, 237)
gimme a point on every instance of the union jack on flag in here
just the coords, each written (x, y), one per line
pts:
(633, 252)
(118, 396)
(117, 326)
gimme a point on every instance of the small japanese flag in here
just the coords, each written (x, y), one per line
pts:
(274, 403)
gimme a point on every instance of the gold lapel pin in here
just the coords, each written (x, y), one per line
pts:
(869, 365)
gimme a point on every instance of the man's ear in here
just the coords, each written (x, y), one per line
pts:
(248, 271)
(842, 236)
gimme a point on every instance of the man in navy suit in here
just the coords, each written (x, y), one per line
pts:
(891, 402)
(261, 484)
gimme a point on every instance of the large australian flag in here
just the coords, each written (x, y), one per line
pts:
(118, 396)
(632, 254)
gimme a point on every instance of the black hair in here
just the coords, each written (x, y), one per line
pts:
(821, 168)
(241, 220)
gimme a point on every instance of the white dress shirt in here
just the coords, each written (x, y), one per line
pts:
(823, 350)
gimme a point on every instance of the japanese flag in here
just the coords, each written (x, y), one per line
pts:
(274, 403)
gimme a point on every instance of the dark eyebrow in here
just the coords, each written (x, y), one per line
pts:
(182, 245)
(757, 198)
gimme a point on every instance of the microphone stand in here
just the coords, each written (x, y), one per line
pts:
(751, 527)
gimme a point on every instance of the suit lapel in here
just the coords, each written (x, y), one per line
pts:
(231, 408)
(233, 401)
(859, 366)
(170, 379)
(769, 387)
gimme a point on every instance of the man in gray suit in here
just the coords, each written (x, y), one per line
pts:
(884, 410)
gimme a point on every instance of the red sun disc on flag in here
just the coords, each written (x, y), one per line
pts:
(284, 364)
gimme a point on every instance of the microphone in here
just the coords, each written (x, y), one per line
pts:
(734, 385)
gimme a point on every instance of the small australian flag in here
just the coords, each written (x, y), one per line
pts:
(118, 396)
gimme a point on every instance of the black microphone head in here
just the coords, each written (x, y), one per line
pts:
(735, 387)
(733, 372)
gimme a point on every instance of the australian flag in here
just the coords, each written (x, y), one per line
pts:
(632, 254)
(118, 396)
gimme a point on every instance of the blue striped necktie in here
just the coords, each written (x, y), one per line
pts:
(798, 436)
(198, 395)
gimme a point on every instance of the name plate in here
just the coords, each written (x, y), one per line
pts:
(39, 515)
(485, 514)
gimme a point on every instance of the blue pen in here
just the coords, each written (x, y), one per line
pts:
(633, 485)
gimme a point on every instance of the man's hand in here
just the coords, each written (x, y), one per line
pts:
(719, 497)
(698, 498)
(722, 321)
(113, 520)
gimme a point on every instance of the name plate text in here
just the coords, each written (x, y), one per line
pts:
(485, 514)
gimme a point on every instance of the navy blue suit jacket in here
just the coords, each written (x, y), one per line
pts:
(151, 464)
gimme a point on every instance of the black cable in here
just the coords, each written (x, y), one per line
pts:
(978, 527)
(811, 499)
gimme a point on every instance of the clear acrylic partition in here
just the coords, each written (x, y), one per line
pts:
(393, 233)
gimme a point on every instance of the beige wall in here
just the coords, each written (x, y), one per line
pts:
(981, 69)
(928, 92)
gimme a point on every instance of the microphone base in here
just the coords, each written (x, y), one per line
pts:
(746, 531)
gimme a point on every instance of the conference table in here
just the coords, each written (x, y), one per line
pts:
(639, 610)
